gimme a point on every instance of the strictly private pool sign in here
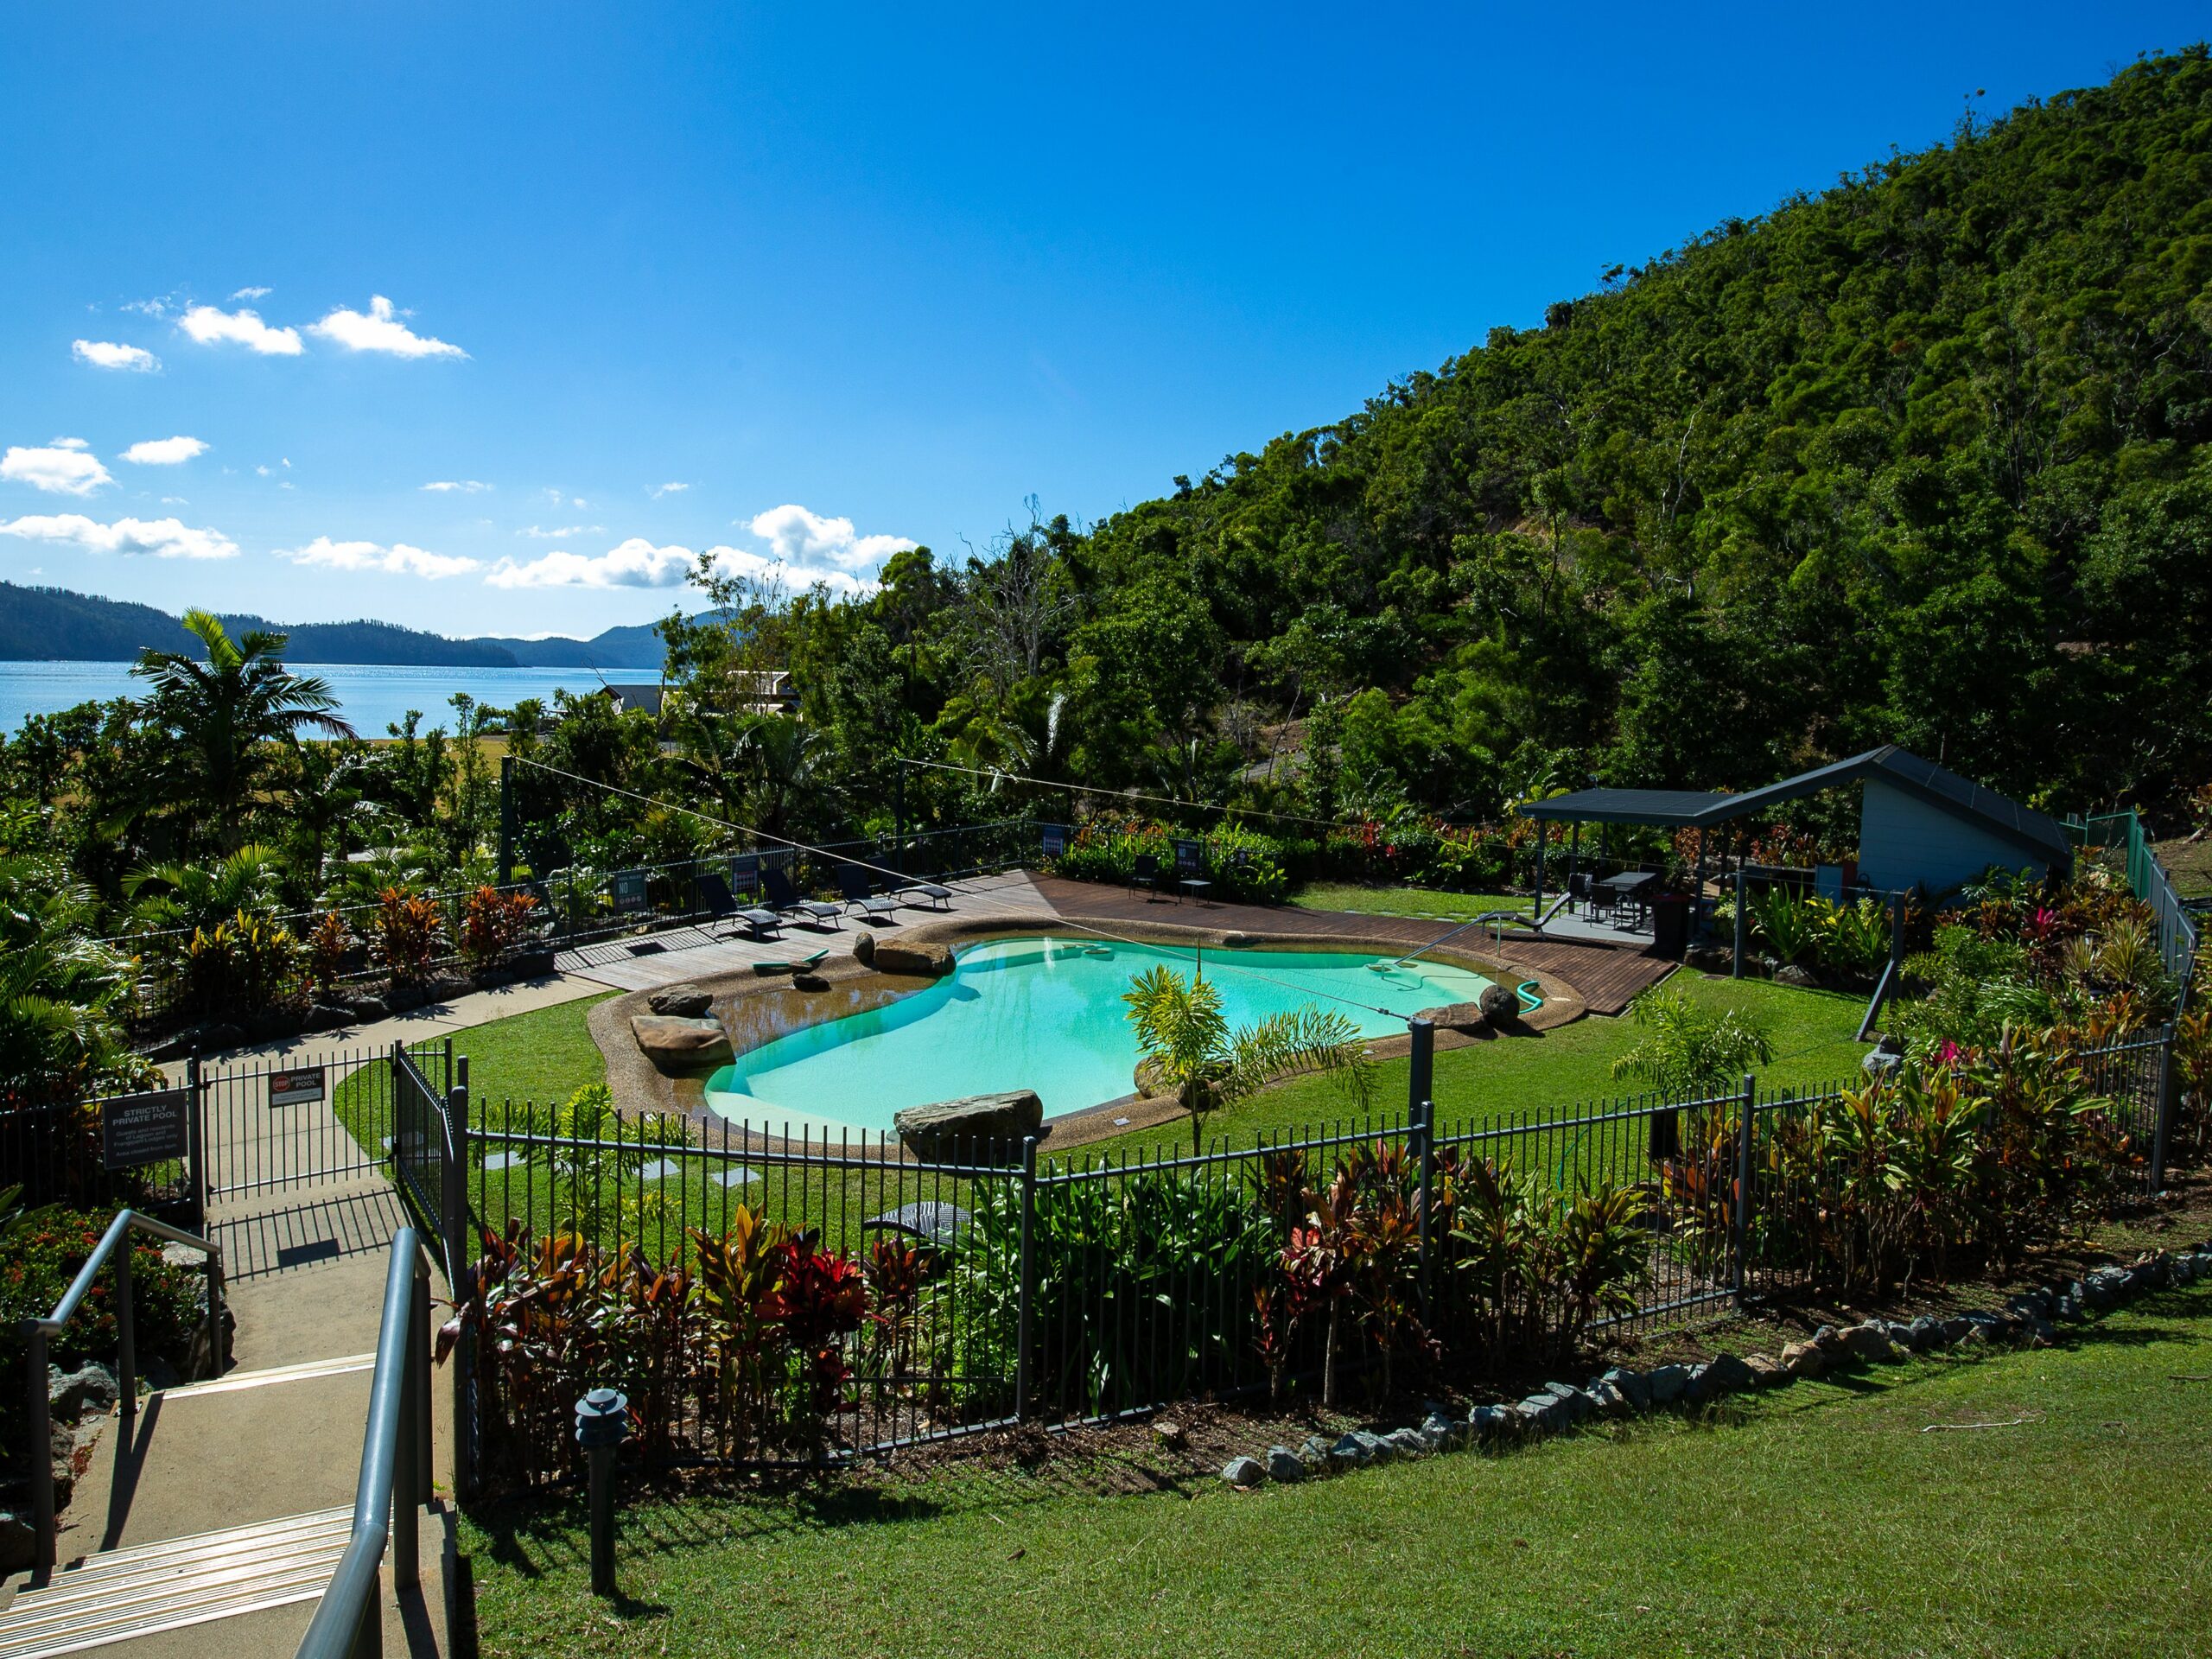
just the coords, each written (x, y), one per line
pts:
(300, 1086)
(151, 1129)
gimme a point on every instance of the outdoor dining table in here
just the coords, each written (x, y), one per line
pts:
(1626, 887)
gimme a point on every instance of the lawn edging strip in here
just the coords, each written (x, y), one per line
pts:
(2028, 1319)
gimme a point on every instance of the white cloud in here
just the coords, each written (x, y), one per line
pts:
(554, 498)
(397, 560)
(380, 330)
(163, 452)
(174, 501)
(659, 490)
(252, 292)
(800, 538)
(160, 538)
(108, 354)
(465, 486)
(561, 534)
(158, 307)
(243, 328)
(63, 468)
(636, 564)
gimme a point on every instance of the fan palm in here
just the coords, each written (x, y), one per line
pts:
(182, 895)
(1188, 1046)
(222, 713)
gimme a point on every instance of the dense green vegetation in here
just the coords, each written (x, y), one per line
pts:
(1817, 1519)
(1920, 458)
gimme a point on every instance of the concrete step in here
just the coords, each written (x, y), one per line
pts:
(127, 1594)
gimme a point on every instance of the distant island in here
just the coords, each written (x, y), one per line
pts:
(53, 624)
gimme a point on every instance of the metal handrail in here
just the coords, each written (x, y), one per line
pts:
(37, 1333)
(395, 1478)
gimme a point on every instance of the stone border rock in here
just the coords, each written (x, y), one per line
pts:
(2024, 1321)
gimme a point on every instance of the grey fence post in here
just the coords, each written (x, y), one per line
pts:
(2168, 1102)
(453, 1223)
(196, 1146)
(1736, 960)
(1424, 1126)
(126, 1340)
(1421, 1083)
(1741, 1241)
(1024, 1332)
(39, 1452)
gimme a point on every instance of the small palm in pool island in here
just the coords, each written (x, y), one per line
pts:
(1049, 1014)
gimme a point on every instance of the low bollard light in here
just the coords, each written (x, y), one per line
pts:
(602, 1424)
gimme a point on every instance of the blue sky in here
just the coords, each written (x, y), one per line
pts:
(850, 278)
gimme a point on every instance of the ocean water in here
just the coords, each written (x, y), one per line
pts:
(1043, 1013)
(371, 696)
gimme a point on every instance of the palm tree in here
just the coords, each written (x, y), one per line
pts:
(182, 895)
(1692, 1050)
(1189, 1048)
(221, 713)
(62, 994)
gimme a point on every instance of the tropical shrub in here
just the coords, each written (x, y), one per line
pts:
(765, 1318)
(493, 925)
(595, 1156)
(330, 945)
(40, 1253)
(241, 966)
(1691, 1049)
(409, 935)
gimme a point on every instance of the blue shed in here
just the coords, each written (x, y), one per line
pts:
(1920, 825)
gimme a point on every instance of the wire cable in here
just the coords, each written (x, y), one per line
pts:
(823, 851)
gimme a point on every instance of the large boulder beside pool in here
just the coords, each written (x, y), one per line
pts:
(679, 1045)
(1456, 1016)
(975, 1127)
(683, 1001)
(904, 957)
(1500, 1006)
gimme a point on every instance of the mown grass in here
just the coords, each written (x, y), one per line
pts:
(1826, 1518)
(1402, 901)
(1551, 1073)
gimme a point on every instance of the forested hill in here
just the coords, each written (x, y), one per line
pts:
(42, 623)
(1919, 459)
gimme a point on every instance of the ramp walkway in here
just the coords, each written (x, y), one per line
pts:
(212, 1527)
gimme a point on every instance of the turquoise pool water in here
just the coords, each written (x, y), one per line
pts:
(1043, 1013)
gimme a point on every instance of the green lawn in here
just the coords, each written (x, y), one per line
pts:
(1402, 901)
(1821, 1519)
(2189, 865)
(1815, 1036)
(544, 1055)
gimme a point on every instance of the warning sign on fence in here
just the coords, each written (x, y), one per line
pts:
(138, 1129)
(300, 1086)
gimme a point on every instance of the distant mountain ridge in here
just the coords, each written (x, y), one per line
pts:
(53, 624)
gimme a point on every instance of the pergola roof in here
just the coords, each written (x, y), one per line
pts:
(1683, 809)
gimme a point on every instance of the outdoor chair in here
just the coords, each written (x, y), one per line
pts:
(785, 900)
(1579, 892)
(919, 888)
(720, 904)
(1190, 871)
(852, 882)
(1144, 873)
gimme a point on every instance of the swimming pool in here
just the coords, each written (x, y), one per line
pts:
(1044, 1013)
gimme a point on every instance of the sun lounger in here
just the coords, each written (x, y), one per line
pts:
(784, 899)
(921, 887)
(721, 905)
(852, 882)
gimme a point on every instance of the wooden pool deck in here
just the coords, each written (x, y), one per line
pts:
(1609, 976)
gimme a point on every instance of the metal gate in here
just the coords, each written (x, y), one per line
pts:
(313, 1114)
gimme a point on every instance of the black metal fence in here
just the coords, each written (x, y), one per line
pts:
(995, 1286)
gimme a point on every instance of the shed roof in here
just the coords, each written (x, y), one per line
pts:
(1689, 809)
